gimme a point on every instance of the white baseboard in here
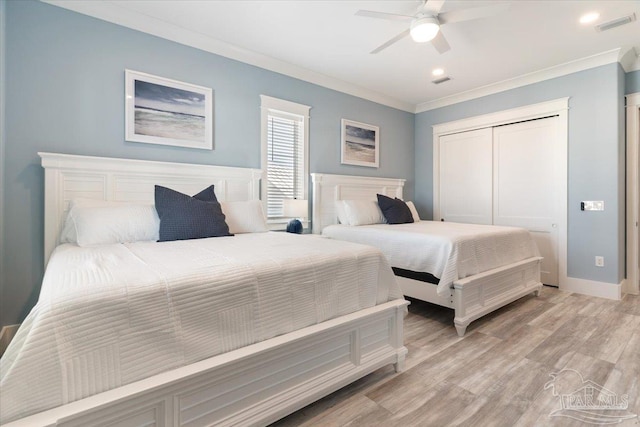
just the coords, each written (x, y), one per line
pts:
(6, 335)
(595, 289)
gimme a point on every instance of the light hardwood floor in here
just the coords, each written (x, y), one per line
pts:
(496, 374)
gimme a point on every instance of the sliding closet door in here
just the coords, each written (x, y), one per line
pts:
(466, 176)
(524, 195)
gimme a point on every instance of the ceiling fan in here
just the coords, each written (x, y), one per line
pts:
(425, 24)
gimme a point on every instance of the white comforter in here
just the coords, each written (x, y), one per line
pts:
(449, 251)
(111, 315)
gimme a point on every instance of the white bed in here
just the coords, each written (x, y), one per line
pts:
(481, 268)
(122, 335)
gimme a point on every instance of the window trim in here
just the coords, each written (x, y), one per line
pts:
(268, 103)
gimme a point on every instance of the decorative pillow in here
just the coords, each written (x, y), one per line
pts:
(244, 217)
(395, 211)
(207, 195)
(184, 217)
(104, 223)
(414, 211)
(362, 212)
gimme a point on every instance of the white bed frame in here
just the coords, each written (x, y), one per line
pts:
(254, 385)
(471, 297)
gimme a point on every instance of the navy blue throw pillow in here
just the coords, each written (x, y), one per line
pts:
(207, 195)
(395, 211)
(184, 217)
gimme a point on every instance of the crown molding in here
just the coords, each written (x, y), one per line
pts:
(111, 12)
(603, 58)
(115, 14)
(630, 60)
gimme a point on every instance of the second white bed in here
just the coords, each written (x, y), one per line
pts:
(480, 268)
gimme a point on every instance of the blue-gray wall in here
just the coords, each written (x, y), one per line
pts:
(65, 89)
(632, 84)
(595, 154)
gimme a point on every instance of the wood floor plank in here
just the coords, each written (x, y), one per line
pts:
(440, 403)
(510, 396)
(597, 307)
(630, 304)
(625, 377)
(559, 314)
(611, 336)
(560, 346)
(417, 326)
(482, 371)
(553, 295)
(345, 412)
(431, 344)
(582, 368)
(504, 326)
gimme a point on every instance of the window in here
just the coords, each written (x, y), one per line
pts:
(285, 158)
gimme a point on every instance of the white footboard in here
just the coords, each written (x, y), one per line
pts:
(254, 385)
(483, 293)
(475, 296)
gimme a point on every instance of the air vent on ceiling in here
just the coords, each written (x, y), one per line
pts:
(441, 80)
(615, 23)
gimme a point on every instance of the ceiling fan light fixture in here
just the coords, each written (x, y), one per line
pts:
(424, 29)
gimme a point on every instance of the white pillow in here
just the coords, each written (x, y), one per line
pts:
(101, 223)
(341, 213)
(244, 217)
(363, 212)
(68, 232)
(414, 211)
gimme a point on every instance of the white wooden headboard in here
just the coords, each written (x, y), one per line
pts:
(328, 188)
(68, 177)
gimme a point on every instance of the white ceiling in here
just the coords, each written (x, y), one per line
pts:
(326, 43)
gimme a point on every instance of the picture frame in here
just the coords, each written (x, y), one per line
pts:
(167, 112)
(360, 144)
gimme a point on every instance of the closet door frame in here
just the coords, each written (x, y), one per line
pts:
(633, 182)
(557, 107)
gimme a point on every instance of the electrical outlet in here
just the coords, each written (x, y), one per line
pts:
(599, 261)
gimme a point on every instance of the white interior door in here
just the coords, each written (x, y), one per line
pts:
(632, 284)
(526, 159)
(466, 177)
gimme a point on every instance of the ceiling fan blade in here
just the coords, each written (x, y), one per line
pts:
(382, 15)
(473, 13)
(432, 7)
(390, 42)
(440, 43)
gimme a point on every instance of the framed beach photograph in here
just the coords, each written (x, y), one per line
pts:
(167, 112)
(360, 144)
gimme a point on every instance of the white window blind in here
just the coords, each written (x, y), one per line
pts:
(285, 160)
(285, 155)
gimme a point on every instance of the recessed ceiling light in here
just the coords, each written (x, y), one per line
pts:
(438, 72)
(589, 17)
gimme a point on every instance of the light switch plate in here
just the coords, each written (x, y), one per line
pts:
(594, 205)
